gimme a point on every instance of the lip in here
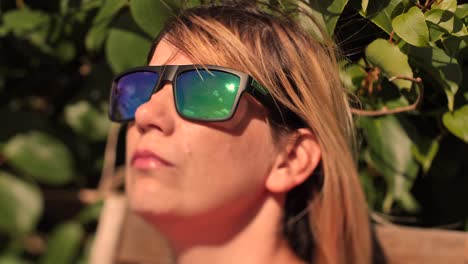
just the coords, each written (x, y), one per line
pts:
(146, 159)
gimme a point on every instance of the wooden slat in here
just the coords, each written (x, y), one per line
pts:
(142, 242)
(417, 245)
(108, 231)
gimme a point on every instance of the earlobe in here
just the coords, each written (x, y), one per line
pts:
(295, 162)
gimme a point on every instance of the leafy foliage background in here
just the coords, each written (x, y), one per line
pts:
(404, 60)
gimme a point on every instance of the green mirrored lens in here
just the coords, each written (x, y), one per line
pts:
(206, 95)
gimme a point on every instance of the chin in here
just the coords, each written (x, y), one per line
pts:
(147, 199)
(149, 209)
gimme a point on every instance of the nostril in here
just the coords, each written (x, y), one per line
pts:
(148, 127)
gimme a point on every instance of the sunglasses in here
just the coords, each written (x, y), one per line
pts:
(201, 93)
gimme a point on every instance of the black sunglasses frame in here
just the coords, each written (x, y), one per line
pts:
(169, 73)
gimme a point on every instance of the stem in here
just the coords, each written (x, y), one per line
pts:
(34, 244)
(427, 5)
(419, 5)
(108, 170)
(385, 111)
(387, 203)
(19, 4)
(109, 179)
(391, 36)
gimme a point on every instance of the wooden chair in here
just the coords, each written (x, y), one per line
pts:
(418, 245)
(124, 238)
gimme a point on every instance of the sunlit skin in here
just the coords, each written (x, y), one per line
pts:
(215, 190)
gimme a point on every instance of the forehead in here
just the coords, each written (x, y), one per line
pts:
(165, 53)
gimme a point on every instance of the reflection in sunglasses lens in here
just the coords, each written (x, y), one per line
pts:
(131, 91)
(207, 95)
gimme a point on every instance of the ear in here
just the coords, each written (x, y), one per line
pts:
(295, 162)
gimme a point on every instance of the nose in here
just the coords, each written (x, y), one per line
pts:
(157, 113)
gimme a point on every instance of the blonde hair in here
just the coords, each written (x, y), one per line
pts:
(302, 76)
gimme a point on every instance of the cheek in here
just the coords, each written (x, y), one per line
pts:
(226, 168)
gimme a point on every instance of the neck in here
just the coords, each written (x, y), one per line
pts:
(257, 238)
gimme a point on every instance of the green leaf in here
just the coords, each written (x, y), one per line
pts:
(118, 45)
(388, 57)
(150, 15)
(175, 5)
(87, 121)
(25, 20)
(408, 202)
(87, 249)
(435, 31)
(41, 156)
(411, 27)
(108, 10)
(65, 51)
(424, 152)
(64, 6)
(32, 25)
(351, 76)
(100, 27)
(450, 5)
(457, 122)
(195, 3)
(20, 203)
(9, 259)
(90, 213)
(462, 11)
(390, 153)
(364, 4)
(443, 68)
(327, 13)
(315, 27)
(63, 244)
(380, 13)
(86, 6)
(286, 6)
(445, 21)
(3, 30)
(453, 45)
(374, 197)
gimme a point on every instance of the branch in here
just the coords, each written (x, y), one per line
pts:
(108, 170)
(419, 5)
(110, 177)
(385, 111)
(427, 5)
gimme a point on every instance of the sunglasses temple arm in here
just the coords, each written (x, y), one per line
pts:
(266, 98)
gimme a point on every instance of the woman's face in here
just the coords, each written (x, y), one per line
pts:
(181, 168)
